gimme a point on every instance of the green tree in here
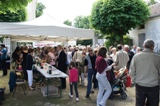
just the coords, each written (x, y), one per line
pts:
(151, 2)
(39, 9)
(116, 17)
(12, 5)
(17, 16)
(67, 22)
(112, 41)
(82, 22)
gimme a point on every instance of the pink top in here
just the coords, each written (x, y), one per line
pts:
(73, 75)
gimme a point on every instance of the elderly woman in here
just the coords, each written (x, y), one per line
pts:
(113, 55)
(138, 49)
(103, 83)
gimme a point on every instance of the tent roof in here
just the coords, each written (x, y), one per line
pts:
(43, 28)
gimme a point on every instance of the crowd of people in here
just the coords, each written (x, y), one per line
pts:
(81, 58)
(81, 62)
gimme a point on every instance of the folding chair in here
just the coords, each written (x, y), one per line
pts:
(14, 82)
(22, 83)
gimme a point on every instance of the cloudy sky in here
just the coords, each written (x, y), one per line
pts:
(62, 10)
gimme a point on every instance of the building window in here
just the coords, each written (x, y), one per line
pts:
(141, 38)
(141, 27)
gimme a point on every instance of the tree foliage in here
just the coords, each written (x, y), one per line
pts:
(17, 16)
(39, 9)
(12, 5)
(112, 41)
(117, 17)
(84, 42)
(82, 22)
(151, 2)
(67, 22)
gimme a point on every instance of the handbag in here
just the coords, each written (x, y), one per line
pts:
(128, 81)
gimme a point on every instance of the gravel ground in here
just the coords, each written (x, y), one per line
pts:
(35, 98)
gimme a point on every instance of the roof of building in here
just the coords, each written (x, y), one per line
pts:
(155, 10)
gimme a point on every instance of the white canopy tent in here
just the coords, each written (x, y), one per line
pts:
(44, 28)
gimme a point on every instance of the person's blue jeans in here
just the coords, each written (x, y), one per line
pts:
(89, 85)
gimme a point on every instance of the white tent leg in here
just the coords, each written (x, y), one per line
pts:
(94, 41)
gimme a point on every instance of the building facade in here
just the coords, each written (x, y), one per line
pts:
(151, 29)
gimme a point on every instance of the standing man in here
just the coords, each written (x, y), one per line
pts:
(90, 66)
(77, 58)
(3, 54)
(145, 74)
(62, 59)
(121, 58)
(130, 55)
(134, 49)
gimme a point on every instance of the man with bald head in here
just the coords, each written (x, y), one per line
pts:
(145, 74)
(130, 55)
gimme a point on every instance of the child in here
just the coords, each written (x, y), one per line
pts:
(73, 79)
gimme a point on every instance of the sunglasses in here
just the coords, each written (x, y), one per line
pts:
(90, 50)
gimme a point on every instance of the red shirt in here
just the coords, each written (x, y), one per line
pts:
(73, 75)
(101, 64)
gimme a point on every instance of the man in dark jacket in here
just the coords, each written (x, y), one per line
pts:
(62, 59)
(130, 55)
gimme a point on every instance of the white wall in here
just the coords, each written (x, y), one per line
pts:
(101, 41)
(152, 30)
(31, 9)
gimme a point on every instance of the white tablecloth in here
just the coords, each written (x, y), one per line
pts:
(55, 72)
